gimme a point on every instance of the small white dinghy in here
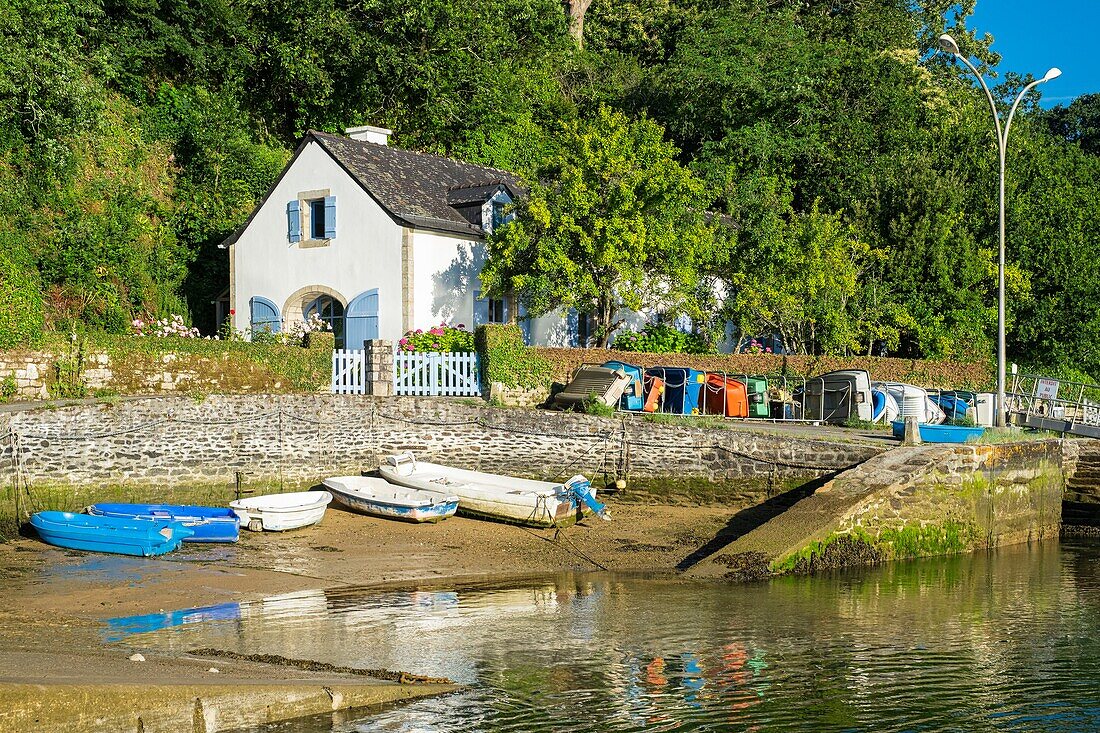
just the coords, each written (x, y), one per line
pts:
(501, 498)
(380, 498)
(280, 512)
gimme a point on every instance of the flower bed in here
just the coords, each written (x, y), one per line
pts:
(441, 338)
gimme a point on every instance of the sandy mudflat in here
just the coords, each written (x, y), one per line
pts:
(53, 602)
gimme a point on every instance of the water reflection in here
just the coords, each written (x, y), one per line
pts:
(1004, 641)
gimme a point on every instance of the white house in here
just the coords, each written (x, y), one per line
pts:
(377, 241)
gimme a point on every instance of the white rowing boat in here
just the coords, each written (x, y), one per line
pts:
(502, 498)
(380, 498)
(280, 512)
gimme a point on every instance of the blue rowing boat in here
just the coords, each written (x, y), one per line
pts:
(141, 537)
(209, 523)
(941, 433)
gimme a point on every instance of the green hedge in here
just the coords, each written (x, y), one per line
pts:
(505, 358)
(218, 366)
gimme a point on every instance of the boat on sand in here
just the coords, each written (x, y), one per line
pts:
(379, 498)
(208, 523)
(117, 535)
(501, 498)
(280, 512)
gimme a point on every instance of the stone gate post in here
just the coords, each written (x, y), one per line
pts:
(378, 367)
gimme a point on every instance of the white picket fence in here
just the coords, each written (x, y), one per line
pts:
(435, 374)
(430, 374)
(348, 375)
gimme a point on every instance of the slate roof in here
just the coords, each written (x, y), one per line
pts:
(419, 189)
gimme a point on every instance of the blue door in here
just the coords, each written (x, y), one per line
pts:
(264, 316)
(361, 319)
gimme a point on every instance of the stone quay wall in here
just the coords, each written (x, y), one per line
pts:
(911, 501)
(167, 445)
(991, 495)
(934, 500)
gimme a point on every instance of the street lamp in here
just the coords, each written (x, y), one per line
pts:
(947, 43)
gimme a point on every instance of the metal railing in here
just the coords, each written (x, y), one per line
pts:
(1046, 403)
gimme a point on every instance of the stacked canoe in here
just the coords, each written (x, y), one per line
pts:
(674, 390)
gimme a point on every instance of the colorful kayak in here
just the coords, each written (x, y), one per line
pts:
(380, 498)
(280, 512)
(209, 523)
(141, 537)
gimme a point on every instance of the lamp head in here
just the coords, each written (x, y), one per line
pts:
(947, 43)
(1052, 74)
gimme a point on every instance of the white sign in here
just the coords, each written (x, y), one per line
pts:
(1046, 389)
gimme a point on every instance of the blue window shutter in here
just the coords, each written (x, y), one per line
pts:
(294, 220)
(361, 319)
(330, 217)
(574, 324)
(506, 311)
(481, 309)
(264, 315)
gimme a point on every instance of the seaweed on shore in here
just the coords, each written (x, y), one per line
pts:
(404, 678)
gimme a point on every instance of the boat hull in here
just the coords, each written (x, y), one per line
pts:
(941, 433)
(489, 496)
(209, 524)
(282, 512)
(425, 506)
(114, 535)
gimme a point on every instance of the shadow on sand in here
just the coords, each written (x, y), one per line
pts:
(752, 517)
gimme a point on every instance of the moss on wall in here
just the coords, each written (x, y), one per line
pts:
(858, 546)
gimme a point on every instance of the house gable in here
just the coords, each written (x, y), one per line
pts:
(360, 249)
(359, 222)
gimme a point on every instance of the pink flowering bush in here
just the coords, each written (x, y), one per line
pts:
(756, 347)
(438, 338)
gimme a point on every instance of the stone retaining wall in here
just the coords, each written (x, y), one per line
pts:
(964, 498)
(284, 441)
(910, 502)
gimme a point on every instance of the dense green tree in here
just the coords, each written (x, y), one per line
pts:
(135, 135)
(614, 222)
(1079, 122)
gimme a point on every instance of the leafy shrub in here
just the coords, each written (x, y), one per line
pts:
(593, 405)
(505, 358)
(441, 338)
(660, 338)
(8, 388)
(21, 321)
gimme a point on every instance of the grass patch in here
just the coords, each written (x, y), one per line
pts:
(998, 436)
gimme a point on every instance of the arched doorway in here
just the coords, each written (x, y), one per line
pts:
(331, 311)
(327, 303)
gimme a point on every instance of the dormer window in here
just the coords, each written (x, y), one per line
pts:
(498, 214)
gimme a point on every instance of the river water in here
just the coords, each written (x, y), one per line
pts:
(1000, 641)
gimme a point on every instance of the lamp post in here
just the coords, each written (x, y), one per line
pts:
(947, 43)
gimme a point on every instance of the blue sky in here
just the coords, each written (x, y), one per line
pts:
(1034, 35)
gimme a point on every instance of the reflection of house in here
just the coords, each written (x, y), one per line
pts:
(375, 240)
